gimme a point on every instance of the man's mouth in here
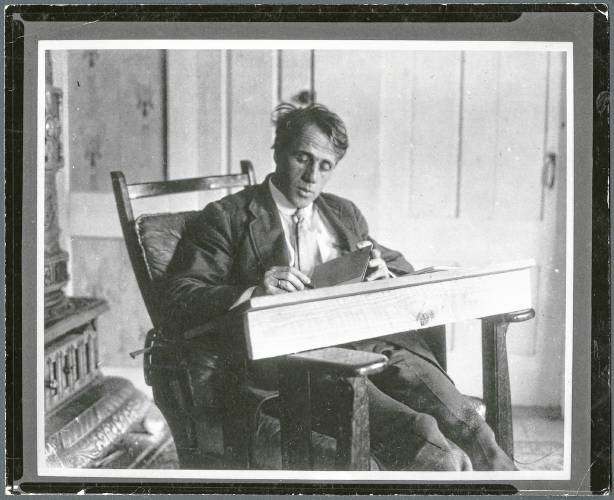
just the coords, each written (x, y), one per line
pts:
(304, 192)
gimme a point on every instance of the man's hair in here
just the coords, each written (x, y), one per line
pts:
(290, 121)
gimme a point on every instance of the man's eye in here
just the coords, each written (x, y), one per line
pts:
(301, 158)
(326, 167)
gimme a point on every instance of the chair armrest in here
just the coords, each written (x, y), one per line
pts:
(351, 403)
(228, 322)
(339, 361)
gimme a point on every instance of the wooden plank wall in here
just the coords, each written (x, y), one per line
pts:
(355, 96)
(445, 160)
(435, 134)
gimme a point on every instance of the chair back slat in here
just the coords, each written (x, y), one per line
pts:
(149, 189)
(125, 193)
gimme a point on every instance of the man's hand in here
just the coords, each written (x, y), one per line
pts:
(377, 269)
(281, 279)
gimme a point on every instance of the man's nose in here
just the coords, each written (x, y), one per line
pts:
(311, 173)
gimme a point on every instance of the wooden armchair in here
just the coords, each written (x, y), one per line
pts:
(203, 389)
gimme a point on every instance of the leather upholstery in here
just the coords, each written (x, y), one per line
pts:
(159, 235)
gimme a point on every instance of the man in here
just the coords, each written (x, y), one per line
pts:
(267, 239)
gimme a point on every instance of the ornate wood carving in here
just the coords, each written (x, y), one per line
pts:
(55, 266)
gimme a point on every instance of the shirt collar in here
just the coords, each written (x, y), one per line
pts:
(284, 205)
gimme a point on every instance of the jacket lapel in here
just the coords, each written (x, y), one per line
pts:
(333, 213)
(265, 231)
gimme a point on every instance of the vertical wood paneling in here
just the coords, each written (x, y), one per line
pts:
(479, 135)
(348, 82)
(115, 116)
(183, 113)
(402, 111)
(434, 140)
(183, 125)
(522, 91)
(550, 322)
(212, 106)
(556, 106)
(252, 103)
(295, 74)
(395, 134)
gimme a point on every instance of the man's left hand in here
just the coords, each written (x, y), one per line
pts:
(377, 269)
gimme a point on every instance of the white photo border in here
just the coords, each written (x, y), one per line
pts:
(356, 477)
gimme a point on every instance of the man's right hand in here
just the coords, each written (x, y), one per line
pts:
(281, 279)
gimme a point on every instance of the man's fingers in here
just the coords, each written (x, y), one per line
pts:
(376, 254)
(379, 269)
(301, 276)
(287, 286)
(283, 279)
(291, 279)
(270, 287)
(281, 271)
(379, 274)
(277, 291)
(363, 244)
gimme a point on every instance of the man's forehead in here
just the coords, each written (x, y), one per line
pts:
(312, 136)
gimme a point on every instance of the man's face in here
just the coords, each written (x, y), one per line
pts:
(304, 168)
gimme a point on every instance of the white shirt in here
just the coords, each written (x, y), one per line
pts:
(314, 223)
(327, 242)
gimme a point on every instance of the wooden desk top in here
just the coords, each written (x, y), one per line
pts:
(311, 319)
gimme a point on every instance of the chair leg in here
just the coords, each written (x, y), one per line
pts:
(295, 417)
(169, 398)
(496, 382)
(353, 445)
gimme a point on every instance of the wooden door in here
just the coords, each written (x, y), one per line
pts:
(446, 161)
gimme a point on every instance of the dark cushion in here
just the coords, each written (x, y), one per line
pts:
(159, 235)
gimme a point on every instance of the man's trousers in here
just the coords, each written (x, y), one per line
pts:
(419, 420)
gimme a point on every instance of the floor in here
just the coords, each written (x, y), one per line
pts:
(538, 434)
(538, 439)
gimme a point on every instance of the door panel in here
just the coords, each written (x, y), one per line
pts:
(251, 99)
(406, 123)
(349, 83)
(394, 194)
(294, 74)
(520, 137)
(434, 140)
(479, 133)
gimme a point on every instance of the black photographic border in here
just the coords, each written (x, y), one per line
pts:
(600, 475)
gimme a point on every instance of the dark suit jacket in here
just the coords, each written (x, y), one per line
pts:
(233, 241)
